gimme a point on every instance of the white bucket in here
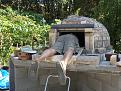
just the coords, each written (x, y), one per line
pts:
(113, 59)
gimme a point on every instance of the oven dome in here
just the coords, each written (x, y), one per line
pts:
(100, 33)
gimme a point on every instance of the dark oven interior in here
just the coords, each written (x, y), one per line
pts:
(79, 35)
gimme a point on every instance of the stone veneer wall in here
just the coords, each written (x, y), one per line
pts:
(80, 81)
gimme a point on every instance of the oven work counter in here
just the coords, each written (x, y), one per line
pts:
(84, 69)
(80, 63)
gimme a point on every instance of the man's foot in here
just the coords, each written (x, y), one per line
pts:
(118, 64)
(61, 69)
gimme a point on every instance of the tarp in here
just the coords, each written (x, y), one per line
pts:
(4, 79)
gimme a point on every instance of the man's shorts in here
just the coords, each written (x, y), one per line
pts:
(66, 41)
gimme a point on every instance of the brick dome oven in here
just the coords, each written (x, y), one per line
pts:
(92, 35)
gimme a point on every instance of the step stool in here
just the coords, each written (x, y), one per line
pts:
(56, 76)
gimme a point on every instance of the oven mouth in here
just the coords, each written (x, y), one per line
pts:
(79, 35)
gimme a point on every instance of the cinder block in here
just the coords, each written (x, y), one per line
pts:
(42, 80)
(25, 83)
(74, 80)
(21, 89)
(36, 89)
(115, 78)
(21, 73)
(107, 87)
(44, 73)
(47, 71)
(85, 88)
(80, 86)
(73, 75)
(57, 88)
(94, 84)
(83, 78)
(119, 83)
(105, 77)
(91, 74)
(88, 59)
(57, 58)
(20, 63)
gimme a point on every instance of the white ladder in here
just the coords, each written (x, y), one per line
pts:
(56, 76)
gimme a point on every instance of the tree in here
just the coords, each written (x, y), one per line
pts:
(108, 12)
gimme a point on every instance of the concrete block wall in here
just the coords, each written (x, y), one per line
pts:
(80, 81)
(99, 81)
(24, 83)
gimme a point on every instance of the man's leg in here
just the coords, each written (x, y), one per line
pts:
(61, 65)
(47, 53)
(67, 57)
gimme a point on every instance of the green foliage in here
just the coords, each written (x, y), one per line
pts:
(19, 30)
(108, 12)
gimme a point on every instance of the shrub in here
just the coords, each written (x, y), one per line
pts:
(19, 29)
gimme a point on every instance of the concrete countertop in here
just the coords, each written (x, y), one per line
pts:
(70, 67)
